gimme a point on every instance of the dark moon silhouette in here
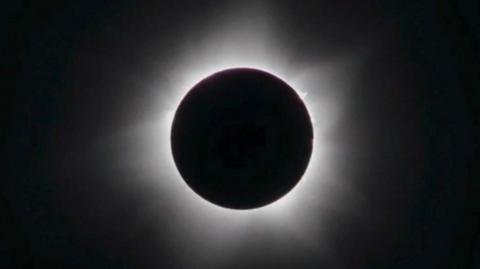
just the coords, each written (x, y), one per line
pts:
(241, 138)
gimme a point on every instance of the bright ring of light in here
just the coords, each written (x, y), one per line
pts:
(194, 219)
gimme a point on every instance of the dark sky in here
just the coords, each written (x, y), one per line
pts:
(76, 74)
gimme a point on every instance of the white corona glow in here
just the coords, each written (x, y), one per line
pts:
(241, 41)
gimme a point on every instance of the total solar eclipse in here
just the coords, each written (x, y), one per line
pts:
(241, 138)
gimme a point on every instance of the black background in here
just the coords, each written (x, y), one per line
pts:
(408, 129)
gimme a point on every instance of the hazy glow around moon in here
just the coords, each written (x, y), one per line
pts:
(242, 38)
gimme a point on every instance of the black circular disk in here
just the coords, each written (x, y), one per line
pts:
(241, 138)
